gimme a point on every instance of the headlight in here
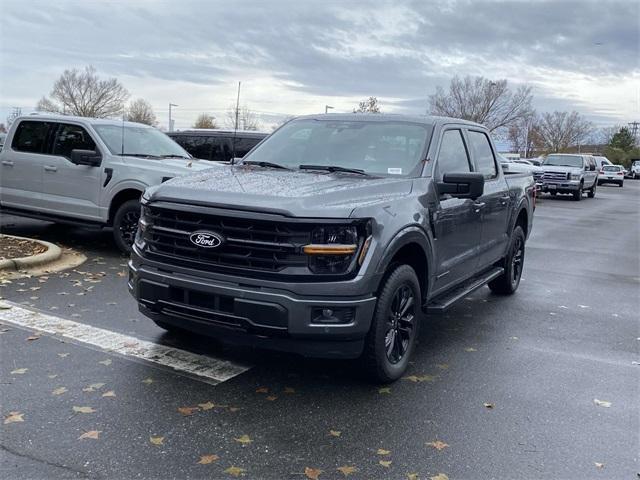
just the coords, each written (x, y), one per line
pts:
(333, 248)
(143, 225)
(575, 176)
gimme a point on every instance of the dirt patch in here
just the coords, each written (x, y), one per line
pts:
(11, 247)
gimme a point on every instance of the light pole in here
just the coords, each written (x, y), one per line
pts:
(171, 121)
(327, 108)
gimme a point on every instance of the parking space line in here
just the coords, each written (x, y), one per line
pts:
(212, 369)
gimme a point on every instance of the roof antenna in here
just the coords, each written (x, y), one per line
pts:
(122, 134)
(235, 128)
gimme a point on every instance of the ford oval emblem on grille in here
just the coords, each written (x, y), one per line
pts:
(206, 239)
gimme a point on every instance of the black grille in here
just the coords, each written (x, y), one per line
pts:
(249, 244)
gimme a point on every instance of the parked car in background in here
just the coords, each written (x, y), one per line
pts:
(601, 161)
(570, 173)
(535, 161)
(86, 171)
(333, 236)
(217, 145)
(518, 166)
(611, 174)
(635, 169)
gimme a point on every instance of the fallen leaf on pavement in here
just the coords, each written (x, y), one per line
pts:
(63, 355)
(235, 471)
(207, 459)
(442, 366)
(147, 381)
(470, 349)
(385, 463)
(106, 362)
(92, 434)
(440, 476)
(347, 470)
(4, 306)
(122, 274)
(412, 476)
(32, 337)
(59, 391)
(13, 417)
(157, 440)
(384, 390)
(489, 405)
(206, 406)
(53, 376)
(19, 371)
(93, 387)
(271, 398)
(312, 473)
(83, 409)
(289, 390)
(110, 393)
(335, 433)
(599, 465)
(438, 445)
(186, 411)
(382, 451)
(244, 440)
(234, 409)
(262, 390)
(602, 403)
(421, 378)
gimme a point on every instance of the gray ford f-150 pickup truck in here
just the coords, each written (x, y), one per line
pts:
(333, 236)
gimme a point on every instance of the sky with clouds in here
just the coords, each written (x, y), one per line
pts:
(296, 56)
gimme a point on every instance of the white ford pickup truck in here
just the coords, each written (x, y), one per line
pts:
(86, 171)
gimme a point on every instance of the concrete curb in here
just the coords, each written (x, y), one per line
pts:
(52, 254)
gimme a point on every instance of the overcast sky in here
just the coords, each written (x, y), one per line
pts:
(294, 57)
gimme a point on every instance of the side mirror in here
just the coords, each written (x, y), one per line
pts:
(592, 168)
(86, 157)
(462, 185)
(505, 167)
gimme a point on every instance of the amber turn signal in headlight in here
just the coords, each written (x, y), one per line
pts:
(329, 249)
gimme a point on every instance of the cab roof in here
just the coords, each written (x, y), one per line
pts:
(66, 118)
(388, 117)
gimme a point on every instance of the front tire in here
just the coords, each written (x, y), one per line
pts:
(592, 192)
(394, 329)
(125, 225)
(577, 195)
(508, 282)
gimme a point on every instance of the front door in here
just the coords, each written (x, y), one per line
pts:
(456, 221)
(70, 189)
(494, 204)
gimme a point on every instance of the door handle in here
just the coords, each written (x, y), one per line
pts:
(479, 206)
(49, 168)
(9, 163)
(504, 199)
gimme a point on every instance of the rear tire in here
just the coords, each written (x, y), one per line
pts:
(508, 282)
(394, 328)
(577, 195)
(125, 225)
(621, 184)
(592, 192)
(553, 194)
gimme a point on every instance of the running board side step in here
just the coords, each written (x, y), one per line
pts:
(442, 303)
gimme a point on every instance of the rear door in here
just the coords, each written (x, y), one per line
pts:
(70, 189)
(591, 176)
(456, 223)
(21, 166)
(494, 204)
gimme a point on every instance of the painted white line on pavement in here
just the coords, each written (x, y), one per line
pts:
(213, 369)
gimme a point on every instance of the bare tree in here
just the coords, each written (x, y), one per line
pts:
(141, 111)
(559, 130)
(83, 93)
(205, 120)
(481, 100)
(245, 118)
(3, 129)
(370, 105)
(523, 133)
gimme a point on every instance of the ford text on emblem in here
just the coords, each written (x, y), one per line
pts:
(206, 239)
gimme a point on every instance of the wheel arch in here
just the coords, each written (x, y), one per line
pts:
(119, 198)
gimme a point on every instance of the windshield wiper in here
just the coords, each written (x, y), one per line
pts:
(141, 155)
(173, 156)
(265, 164)
(334, 168)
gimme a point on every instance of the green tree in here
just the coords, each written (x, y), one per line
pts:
(205, 120)
(623, 140)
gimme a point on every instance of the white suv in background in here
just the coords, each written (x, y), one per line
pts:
(86, 171)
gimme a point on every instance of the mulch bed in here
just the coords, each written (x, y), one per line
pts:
(16, 248)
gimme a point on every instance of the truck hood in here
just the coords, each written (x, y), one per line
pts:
(170, 166)
(285, 192)
(553, 168)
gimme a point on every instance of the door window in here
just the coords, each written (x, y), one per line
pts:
(72, 137)
(452, 157)
(31, 137)
(483, 154)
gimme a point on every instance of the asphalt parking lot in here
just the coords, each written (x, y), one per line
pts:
(543, 384)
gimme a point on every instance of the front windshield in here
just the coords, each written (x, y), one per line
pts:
(564, 161)
(375, 147)
(139, 141)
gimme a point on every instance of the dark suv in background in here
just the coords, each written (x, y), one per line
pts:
(217, 145)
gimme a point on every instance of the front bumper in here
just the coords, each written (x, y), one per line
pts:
(569, 186)
(253, 312)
